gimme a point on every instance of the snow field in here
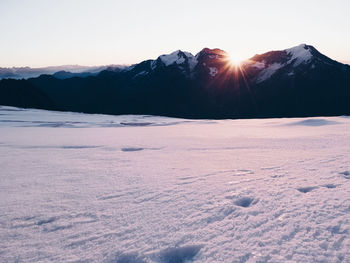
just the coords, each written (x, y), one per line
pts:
(96, 188)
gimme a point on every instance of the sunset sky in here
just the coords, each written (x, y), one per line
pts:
(50, 32)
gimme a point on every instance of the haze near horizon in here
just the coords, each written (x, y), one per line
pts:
(46, 33)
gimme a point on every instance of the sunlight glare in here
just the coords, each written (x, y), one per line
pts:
(234, 59)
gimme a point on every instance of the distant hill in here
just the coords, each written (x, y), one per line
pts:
(27, 72)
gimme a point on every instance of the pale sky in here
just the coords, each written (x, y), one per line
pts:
(99, 32)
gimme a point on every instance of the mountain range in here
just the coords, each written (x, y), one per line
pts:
(65, 71)
(295, 82)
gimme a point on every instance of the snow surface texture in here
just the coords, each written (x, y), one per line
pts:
(141, 189)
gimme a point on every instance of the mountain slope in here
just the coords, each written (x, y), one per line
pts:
(299, 81)
(21, 93)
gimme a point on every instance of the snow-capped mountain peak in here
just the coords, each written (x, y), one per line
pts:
(213, 63)
(288, 59)
(299, 54)
(177, 57)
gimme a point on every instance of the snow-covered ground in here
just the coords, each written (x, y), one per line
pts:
(134, 189)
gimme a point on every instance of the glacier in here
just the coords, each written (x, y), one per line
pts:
(97, 188)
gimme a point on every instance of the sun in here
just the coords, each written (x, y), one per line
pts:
(234, 59)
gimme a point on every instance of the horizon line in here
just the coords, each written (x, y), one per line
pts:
(130, 64)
